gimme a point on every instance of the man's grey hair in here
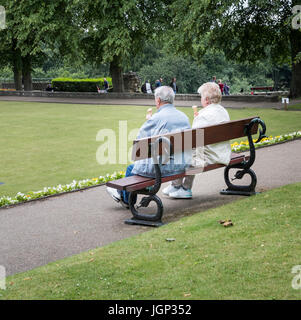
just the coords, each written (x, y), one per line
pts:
(212, 91)
(165, 93)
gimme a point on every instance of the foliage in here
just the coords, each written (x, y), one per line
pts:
(79, 85)
(81, 39)
(49, 191)
(233, 26)
(6, 73)
(244, 145)
(187, 73)
(190, 74)
(115, 31)
(33, 30)
(34, 23)
(245, 30)
(118, 28)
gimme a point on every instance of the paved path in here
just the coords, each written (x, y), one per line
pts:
(141, 102)
(36, 233)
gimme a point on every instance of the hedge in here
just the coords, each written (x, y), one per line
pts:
(79, 85)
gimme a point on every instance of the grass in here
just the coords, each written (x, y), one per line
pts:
(296, 106)
(49, 144)
(251, 260)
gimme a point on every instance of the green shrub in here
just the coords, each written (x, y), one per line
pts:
(79, 85)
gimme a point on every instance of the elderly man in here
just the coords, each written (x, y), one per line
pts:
(166, 119)
(211, 114)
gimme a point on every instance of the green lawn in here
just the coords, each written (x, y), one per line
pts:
(49, 144)
(296, 106)
(251, 260)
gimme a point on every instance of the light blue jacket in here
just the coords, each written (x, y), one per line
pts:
(166, 119)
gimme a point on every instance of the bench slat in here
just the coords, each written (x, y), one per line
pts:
(122, 183)
(136, 182)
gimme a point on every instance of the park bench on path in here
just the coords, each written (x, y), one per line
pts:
(262, 88)
(157, 147)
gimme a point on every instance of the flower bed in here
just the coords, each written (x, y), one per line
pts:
(244, 145)
(49, 191)
(83, 184)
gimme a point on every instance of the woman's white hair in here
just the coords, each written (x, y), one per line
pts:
(212, 91)
(165, 94)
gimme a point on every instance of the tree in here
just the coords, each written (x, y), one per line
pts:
(31, 27)
(245, 30)
(191, 75)
(114, 31)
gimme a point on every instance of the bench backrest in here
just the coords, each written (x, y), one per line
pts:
(187, 139)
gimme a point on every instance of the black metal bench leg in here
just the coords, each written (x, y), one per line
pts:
(245, 166)
(151, 220)
(246, 190)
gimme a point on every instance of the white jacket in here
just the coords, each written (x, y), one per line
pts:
(213, 153)
(148, 88)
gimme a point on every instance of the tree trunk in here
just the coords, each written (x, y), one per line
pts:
(295, 40)
(17, 67)
(26, 71)
(116, 74)
(17, 78)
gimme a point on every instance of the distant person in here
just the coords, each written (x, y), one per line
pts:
(221, 86)
(143, 88)
(49, 88)
(148, 87)
(213, 79)
(105, 85)
(173, 84)
(226, 89)
(158, 83)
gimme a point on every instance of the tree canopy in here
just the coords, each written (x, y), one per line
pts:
(244, 30)
(31, 27)
(115, 31)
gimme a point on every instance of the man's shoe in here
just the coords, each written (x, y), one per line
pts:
(181, 193)
(169, 189)
(114, 194)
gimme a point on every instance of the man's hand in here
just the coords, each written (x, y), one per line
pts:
(149, 113)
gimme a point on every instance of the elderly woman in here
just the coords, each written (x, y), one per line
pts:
(211, 114)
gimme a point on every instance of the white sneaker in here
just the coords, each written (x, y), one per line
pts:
(114, 194)
(181, 194)
(170, 188)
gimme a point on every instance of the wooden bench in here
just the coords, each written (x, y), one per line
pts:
(155, 148)
(262, 88)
